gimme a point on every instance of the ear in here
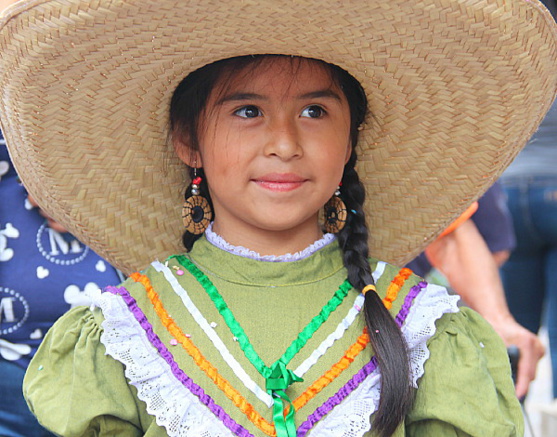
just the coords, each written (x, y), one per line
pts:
(186, 153)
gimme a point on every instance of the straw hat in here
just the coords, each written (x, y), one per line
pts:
(456, 88)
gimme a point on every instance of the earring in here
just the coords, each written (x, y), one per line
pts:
(335, 214)
(196, 212)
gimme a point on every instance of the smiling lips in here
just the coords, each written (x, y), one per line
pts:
(280, 182)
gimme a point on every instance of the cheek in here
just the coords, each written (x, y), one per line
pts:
(225, 149)
(224, 169)
(332, 152)
(333, 168)
(225, 162)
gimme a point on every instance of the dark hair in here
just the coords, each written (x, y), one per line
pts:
(189, 101)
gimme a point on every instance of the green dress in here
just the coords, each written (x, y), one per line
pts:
(185, 349)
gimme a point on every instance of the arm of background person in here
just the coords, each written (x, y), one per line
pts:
(465, 260)
(501, 257)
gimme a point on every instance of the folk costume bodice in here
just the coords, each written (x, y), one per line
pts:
(214, 344)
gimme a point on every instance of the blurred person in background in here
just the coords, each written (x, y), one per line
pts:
(530, 275)
(44, 271)
(468, 255)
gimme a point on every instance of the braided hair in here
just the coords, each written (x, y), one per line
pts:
(385, 336)
(187, 104)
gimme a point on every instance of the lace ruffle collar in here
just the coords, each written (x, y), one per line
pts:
(129, 338)
(217, 241)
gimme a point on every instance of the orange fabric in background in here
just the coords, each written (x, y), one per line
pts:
(465, 216)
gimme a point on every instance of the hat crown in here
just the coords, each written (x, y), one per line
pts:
(455, 89)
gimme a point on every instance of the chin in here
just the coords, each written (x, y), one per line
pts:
(289, 225)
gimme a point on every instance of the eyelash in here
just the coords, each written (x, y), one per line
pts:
(241, 112)
(244, 108)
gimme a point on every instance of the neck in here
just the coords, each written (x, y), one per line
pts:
(270, 242)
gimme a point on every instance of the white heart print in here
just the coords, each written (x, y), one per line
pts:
(36, 334)
(42, 272)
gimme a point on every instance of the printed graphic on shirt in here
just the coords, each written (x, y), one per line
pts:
(42, 272)
(27, 205)
(4, 167)
(37, 334)
(76, 297)
(14, 310)
(61, 249)
(9, 231)
(13, 351)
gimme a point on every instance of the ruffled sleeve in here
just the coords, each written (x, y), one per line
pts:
(466, 389)
(75, 389)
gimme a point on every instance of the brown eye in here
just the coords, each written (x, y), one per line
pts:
(313, 111)
(249, 111)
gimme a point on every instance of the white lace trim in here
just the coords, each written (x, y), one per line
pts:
(174, 407)
(419, 326)
(351, 418)
(181, 412)
(221, 243)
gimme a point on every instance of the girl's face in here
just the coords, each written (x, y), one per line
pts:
(273, 142)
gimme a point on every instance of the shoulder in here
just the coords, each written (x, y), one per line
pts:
(400, 288)
(455, 357)
(139, 289)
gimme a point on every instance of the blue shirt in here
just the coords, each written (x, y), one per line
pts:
(43, 273)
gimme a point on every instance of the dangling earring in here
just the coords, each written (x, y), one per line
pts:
(335, 214)
(196, 212)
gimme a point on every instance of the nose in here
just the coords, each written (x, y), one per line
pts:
(284, 140)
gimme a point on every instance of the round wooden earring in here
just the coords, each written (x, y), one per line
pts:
(196, 214)
(335, 215)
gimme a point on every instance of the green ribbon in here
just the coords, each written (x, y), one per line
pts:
(276, 384)
(277, 377)
(238, 331)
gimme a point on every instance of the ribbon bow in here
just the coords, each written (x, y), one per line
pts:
(278, 381)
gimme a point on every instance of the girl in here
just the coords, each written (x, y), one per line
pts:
(274, 321)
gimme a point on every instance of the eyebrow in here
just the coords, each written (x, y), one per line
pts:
(240, 97)
(327, 93)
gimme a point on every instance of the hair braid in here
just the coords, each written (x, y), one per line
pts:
(385, 336)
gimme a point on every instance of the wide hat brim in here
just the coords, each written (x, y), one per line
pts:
(455, 88)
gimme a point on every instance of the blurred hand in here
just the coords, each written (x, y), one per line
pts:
(472, 271)
(530, 347)
(51, 223)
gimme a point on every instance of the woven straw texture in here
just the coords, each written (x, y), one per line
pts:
(455, 89)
